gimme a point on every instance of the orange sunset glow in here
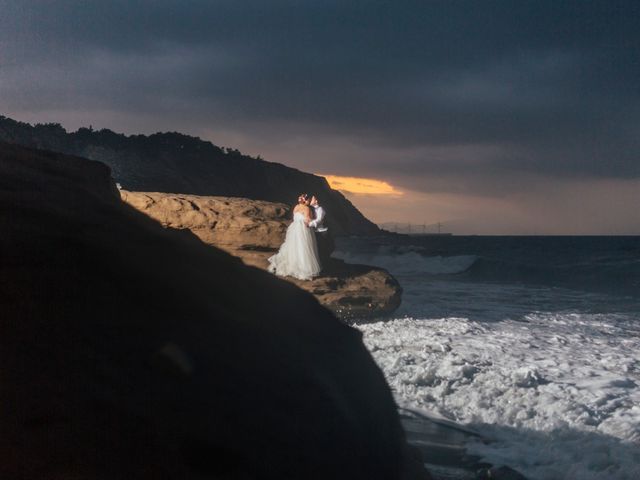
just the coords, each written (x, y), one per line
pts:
(361, 185)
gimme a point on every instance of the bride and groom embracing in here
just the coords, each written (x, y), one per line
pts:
(307, 242)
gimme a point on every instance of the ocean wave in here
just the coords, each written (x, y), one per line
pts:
(411, 262)
(558, 393)
(604, 265)
(622, 278)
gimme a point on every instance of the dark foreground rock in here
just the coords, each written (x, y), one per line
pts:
(132, 351)
(442, 446)
(254, 230)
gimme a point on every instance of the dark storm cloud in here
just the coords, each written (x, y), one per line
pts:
(551, 88)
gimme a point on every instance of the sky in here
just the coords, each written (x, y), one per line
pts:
(492, 117)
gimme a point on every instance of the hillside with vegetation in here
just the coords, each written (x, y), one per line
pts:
(172, 162)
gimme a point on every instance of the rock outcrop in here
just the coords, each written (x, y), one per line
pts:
(172, 162)
(133, 351)
(254, 230)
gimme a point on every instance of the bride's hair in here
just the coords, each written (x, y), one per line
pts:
(303, 198)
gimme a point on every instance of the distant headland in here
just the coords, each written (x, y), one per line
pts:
(172, 162)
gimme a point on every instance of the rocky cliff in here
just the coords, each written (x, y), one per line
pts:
(133, 351)
(172, 162)
(254, 230)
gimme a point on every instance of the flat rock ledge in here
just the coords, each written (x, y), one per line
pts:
(254, 230)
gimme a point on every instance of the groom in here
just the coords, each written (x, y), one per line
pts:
(323, 237)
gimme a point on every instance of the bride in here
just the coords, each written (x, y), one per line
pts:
(298, 255)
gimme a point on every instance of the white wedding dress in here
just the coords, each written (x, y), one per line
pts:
(298, 255)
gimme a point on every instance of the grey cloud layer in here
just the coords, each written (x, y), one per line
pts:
(551, 88)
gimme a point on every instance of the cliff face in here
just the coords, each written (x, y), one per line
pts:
(133, 351)
(253, 230)
(172, 162)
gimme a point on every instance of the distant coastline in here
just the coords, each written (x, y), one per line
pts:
(409, 228)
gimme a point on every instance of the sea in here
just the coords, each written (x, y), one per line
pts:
(534, 341)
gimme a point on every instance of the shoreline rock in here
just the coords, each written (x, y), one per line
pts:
(253, 230)
(133, 351)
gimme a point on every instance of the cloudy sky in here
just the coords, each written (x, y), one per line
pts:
(491, 117)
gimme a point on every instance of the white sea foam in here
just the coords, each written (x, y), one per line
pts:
(558, 393)
(409, 262)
